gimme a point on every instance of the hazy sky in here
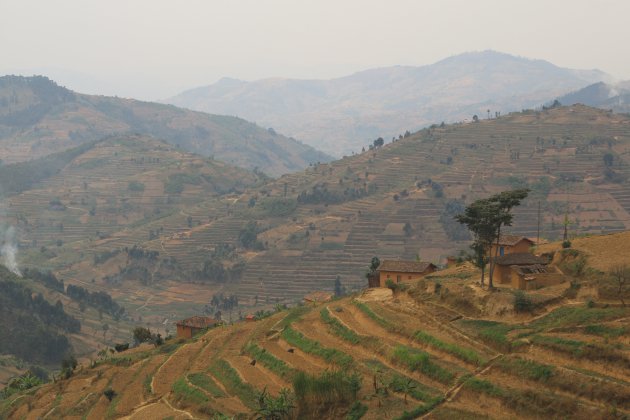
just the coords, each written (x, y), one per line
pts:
(152, 49)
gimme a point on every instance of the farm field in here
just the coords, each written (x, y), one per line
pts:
(402, 356)
(161, 230)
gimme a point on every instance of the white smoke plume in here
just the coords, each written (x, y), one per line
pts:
(9, 251)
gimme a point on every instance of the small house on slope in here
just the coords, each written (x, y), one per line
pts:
(188, 327)
(511, 244)
(402, 271)
(525, 271)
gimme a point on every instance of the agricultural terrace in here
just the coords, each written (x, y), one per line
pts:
(365, 357)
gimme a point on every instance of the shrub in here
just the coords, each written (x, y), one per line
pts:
(566, 244)
(327, 390)
(391, 285)
(522, 302)
(278, 408)
(357, 410)
(109, 394)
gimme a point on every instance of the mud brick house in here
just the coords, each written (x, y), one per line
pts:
(525, 271)
(511, 244)
(188, 327)
(402, 271)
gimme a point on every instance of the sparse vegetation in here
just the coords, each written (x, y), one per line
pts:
(307, 345)
(206, 383)
(319, 394)
(269, 360)
(462, 353)
(418, 360)
(222, 370)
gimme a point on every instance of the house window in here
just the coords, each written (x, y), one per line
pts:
(501, 251)
(398, 279)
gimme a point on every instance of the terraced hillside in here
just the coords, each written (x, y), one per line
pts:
(328, 221)
(399, 200)
(117, 183)
(370, 356)
(38, 117)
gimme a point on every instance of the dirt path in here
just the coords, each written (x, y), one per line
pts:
(174, 367)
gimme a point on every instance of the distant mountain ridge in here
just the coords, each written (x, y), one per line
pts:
(341, 115)
(38, 117)
(601, 95)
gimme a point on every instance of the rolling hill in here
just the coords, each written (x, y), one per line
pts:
(38, 117)
(398, 201)
(312, 227)
(453, 351)
(601, 95)
(342, 115)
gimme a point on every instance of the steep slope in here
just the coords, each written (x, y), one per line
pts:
(339, 116)
(396, 201)
(37, 117)
(41, 322)
(433, 351)
(601, 95)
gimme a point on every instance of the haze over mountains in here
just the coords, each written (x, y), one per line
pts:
(601, 95)
(342, 115)
(38, 117)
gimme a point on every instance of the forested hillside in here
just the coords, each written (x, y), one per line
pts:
(32, 328)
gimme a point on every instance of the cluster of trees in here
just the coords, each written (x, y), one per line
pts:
(30, 326)
(485, 218)
(102, 257)
(144, 335)
(176, 182)
(248, 237)
(221, 303)
(215, 270)
(48, 95)
(47, 278)
(454, 231)
(99, 300)
(139, 253)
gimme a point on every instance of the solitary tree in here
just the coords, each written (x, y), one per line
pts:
(621, 275)
(485, 218)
